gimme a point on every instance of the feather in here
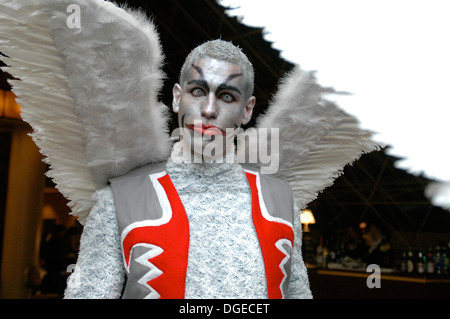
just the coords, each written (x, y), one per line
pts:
(89, 93)
(316, 138)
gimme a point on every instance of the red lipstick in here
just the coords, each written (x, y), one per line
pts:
(206, 129)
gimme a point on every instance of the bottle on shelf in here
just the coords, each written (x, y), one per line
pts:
(410, 263)
(403, 263)
(446, 261)
(430, 263)
(438, 264)
(319, 252)
(326, 255)
(421, 263)
(331, 250)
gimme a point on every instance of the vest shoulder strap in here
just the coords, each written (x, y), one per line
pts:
(277, 194)
(133, 193)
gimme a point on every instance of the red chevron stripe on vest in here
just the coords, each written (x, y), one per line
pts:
(269, 233)
(173, 238)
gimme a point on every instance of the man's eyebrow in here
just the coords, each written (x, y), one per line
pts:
(224, 86)
(202, 83)
(231, 77)
(199, 70)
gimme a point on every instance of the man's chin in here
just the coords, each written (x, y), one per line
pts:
(205, 146)
(197, 138)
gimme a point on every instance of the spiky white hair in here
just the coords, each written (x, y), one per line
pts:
(224, 51)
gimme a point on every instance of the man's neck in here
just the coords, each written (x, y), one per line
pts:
(183, 154)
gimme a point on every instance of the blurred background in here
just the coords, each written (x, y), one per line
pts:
(376, 212)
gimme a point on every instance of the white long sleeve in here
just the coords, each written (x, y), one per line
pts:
(299, 282)
(99, 272)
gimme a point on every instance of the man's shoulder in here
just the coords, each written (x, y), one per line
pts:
(269, 178)
(141, 171)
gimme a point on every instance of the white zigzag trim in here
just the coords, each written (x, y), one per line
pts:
(279, 244)
(154, 271)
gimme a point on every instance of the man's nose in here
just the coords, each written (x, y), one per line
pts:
(209, 107)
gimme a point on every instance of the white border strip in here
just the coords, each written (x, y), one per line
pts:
(164, 219)
(262, 205)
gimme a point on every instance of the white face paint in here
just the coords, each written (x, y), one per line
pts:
(211, 105)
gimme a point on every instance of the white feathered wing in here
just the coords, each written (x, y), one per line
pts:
(90, 93)
(316, 137)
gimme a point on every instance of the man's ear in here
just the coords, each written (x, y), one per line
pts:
(248, 110)
(176, 93)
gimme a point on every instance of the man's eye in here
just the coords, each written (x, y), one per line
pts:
(197, 92)
(227, 98)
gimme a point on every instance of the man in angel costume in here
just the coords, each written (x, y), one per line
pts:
(164, 220)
